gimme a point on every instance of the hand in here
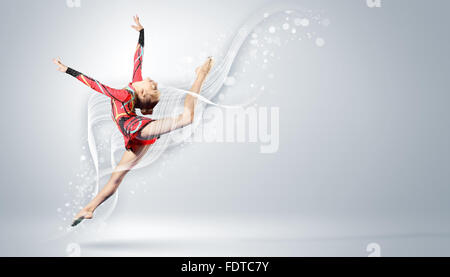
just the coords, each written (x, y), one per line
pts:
(138, 27)
(61, 67)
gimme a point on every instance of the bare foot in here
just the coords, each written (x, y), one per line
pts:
(204, 69)
(83, 214)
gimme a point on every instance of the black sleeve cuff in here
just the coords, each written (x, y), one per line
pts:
(141, 37)
(72, 72)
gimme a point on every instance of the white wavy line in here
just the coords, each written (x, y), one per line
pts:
(212, 85)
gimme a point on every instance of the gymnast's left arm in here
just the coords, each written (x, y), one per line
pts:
(118, 94)
(139, 53)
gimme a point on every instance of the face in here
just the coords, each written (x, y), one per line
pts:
(150, 89)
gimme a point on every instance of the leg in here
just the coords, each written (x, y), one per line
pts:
(165, 125)
(129, 160)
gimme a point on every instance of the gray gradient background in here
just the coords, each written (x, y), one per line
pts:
(364, 134)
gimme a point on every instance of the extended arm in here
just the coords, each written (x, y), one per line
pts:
(139, 53)
(117, 94)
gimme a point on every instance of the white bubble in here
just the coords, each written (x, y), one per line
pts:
(304, 22)
(265, 61)
(188, 59)
(67, 204)
(272, 29)
(293, 31)
(83, 157)
(320, 42)
(266, 15)
(285, 26)
(262, 88)
(58, 210)
(230, 81)
(252, 85)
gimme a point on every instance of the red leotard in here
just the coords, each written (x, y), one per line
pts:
(123, 100)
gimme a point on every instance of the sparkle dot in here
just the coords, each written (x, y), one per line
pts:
(293, 31)
(272, 29)
(303, 22)
(320, 42)
(83, 157)
(229, 81)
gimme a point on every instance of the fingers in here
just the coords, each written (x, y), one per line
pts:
(136, 19)
(57, 61)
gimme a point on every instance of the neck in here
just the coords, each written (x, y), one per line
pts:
(137, 91)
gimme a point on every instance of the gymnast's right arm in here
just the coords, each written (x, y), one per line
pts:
(117, 94)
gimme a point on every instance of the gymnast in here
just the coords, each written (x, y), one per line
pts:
(139, 132)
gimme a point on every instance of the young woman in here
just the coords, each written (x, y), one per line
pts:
(139, 132)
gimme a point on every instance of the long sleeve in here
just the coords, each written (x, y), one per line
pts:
(121, 95)
(138, 57)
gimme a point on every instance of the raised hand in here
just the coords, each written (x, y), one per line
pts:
(138, 27)
(61, 67)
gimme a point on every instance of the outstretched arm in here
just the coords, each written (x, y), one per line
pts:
(117, 94)
(139, 53)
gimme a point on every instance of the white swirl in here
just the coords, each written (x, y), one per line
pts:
(172, 100)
